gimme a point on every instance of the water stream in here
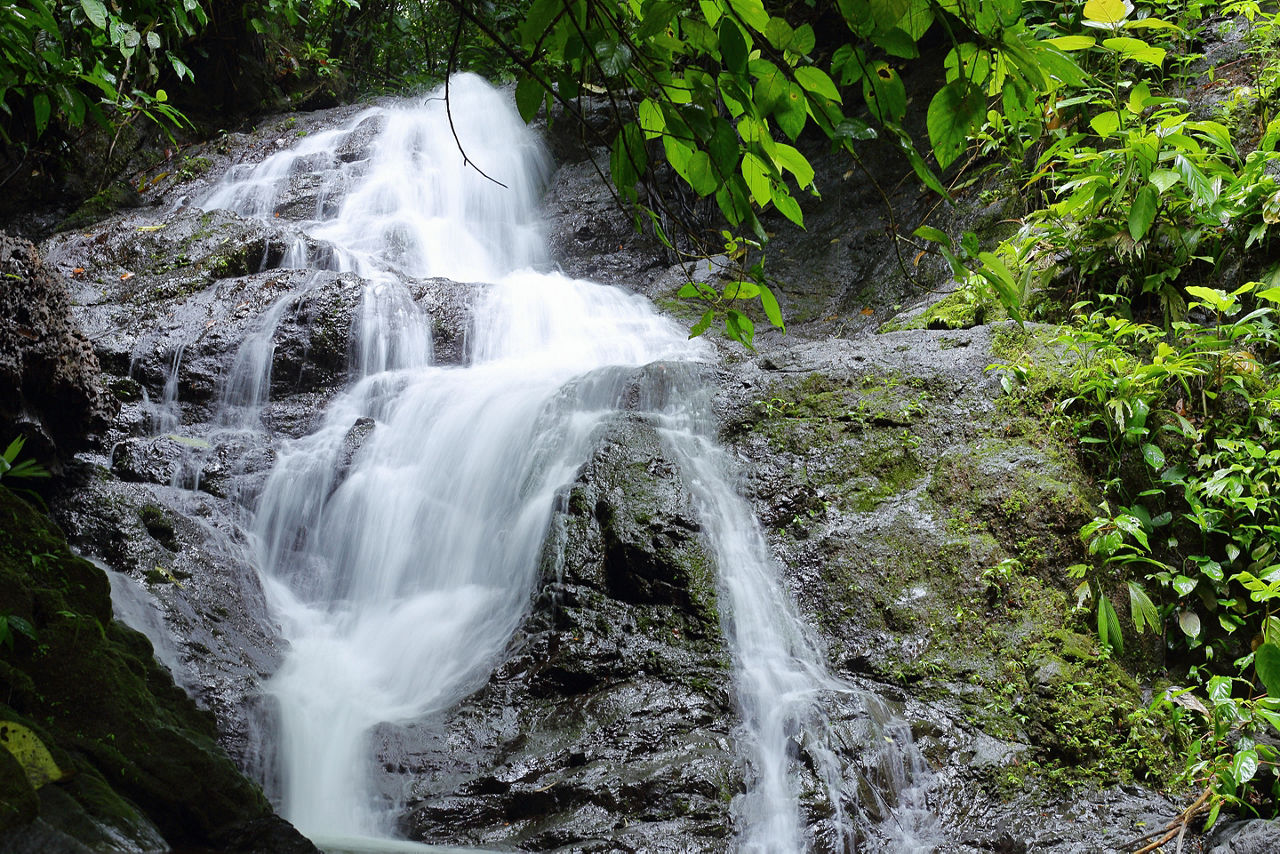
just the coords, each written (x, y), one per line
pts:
(399, 582)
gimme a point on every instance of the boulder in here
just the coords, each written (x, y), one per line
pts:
(50, 385)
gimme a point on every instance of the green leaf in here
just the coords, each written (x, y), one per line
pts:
(1105, 11)
(1266, 660)
(884, 93)
(752, 13)
(1219, 301)
(40, 105)
(741, 290)
(956, 110)
(756, 174)
(1154, 456)
(1072, 42)
(628, 159)
(897, 42)
(733, 47)
(771, 85)
(704, 324)
(999, 275)
(529, 96)
(1109, 631)
(779, 33)
(657, 17)
(613, 57)
(1163, 179)
(789, 158)
(1136, 50)
(700, 174)
(1143, 211)
(771, 309)
(1189, 622)
(536, 22)
(1105, 124)
(787, 205)
(96, 12)
(1244, 765)
(792, 111)
(804, 39)
(723, 148)
(816, 80)
(739, 327)
(689, 290)
(1142, 609)
(935, 235)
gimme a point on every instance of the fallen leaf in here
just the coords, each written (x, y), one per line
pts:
(32, 755)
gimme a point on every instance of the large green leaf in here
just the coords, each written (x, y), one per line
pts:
(883, 90)
(756, 174)
(752, 13)
(789, 158)
(96, 12)
(1142, 609)
(1266, 660)
(529, 96)
(816, 80)
(956, 110)
(1109, 631)
(1143, 211)
(733, 47)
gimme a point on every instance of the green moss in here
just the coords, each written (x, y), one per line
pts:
(102, 703)
(158, 525)
(100, 206)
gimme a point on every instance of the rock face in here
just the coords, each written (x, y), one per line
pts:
(607, 727)
(139, 763)
(50, 388)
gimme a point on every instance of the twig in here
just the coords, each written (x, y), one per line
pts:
(448, 111)
(1177, 827)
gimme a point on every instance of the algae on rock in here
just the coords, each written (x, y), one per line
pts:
(144, 766)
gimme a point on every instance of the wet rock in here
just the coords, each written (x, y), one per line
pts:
(141, 757)
(591, 237)
(607, 727)
(1257, 836)
(190, 551)
(50, 385)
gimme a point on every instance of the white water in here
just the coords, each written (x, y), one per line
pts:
(399, 586)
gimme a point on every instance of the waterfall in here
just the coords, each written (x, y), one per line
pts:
(399, 541)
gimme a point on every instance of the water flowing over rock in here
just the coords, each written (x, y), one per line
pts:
(462, 549)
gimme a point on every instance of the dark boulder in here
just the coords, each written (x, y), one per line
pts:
(50, 386)
(607, 728)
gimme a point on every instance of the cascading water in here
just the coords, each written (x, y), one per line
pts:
(400, 576)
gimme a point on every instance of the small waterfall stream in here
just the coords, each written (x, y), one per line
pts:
(399, 541)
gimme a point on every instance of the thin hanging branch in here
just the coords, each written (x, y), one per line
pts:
(448, 110)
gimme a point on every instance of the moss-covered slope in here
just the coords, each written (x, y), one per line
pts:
(140, 767)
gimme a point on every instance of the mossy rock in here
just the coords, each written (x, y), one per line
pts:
(140, 750)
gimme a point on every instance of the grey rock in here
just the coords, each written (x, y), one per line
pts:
(1257, 836)
(50, 384)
